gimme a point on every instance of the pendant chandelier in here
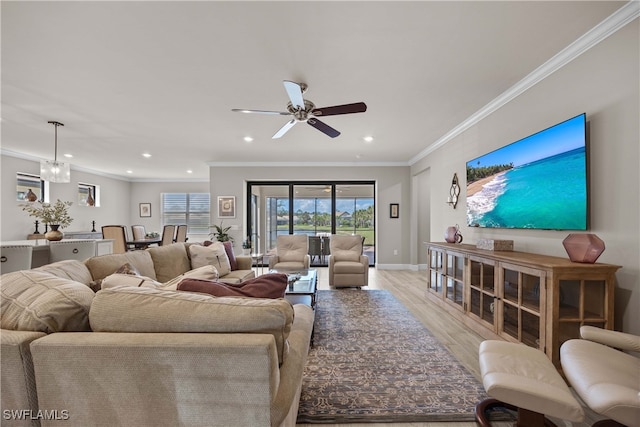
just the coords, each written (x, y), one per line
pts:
(55, 171)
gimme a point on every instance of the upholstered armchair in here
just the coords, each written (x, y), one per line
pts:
(604, 374)
(347, 266)
(292, 253)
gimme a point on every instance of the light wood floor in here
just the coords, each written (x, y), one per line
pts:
(409, 288)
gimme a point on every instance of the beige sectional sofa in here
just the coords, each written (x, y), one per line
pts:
(145, 356)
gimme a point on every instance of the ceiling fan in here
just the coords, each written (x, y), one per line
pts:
(304, 110)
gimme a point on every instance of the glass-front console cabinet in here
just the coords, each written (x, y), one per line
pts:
(538, 300)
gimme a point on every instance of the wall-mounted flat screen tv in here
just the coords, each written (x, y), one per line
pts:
(539, 182)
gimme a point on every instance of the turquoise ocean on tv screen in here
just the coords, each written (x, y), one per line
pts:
(549, 193)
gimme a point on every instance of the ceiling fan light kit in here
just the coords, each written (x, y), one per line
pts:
(304, 110)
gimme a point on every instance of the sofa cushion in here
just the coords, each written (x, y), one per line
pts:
(120, 279)
(266, 286)
(214, 254)
(104, 265)
(169, 261)
(228, 247)
(38, 301)
(69, 269)
(127, 309)
(206, 272)
(238, 276)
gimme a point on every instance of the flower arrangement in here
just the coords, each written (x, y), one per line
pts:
(52, 214)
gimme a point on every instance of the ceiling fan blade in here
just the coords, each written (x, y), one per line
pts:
(280, 113)
(323, 127)
(358, 107)
(284, 129)
(295, 93)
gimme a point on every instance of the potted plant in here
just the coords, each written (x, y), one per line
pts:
(220, 233)
(246, 246)
(54, 215)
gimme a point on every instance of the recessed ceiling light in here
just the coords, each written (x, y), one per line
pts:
(368, 139)
(129, 171)
(189, 171)
(68, 155)
(248, 139)
(147, 155)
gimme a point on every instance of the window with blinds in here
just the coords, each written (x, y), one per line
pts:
(187, 208)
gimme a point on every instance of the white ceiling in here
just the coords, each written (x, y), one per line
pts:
(162, 77)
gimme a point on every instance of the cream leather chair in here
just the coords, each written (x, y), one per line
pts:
(15, 258)
(348, 267)
(292, 253)
(605, 377)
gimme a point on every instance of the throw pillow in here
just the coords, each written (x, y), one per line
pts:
(210, 255)
(207, 272)
(228, 247)
(272, 285)
(37, 301)
(126, 268)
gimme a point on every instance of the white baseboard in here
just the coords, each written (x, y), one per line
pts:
(412, 267)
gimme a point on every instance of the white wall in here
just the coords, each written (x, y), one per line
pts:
(392, 186)
(604, 83)
(16, 224)
(150, 192)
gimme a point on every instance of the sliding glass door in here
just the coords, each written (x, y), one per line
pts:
(317, 209)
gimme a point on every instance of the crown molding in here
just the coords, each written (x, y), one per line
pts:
(307, 164)
(600, 32)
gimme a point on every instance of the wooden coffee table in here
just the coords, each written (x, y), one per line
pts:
(303, 286)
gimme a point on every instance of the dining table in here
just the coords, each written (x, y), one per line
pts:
(144, 243)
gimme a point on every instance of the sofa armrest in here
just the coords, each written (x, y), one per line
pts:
(245, 262)
(149, 379)
(288, 397)
(17, 382)
(615, 339)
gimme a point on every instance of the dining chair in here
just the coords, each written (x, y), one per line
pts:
(138, 231)
(119, 235)
(181, 233)
(15, 258)
(168, 234)
(71, 249)
(315, 248)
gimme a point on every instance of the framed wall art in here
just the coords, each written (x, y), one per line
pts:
(145, 210)
(226, 206)
(394, 210)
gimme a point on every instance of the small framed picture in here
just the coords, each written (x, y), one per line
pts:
(226, 206)
(394, 210)
(145, 210)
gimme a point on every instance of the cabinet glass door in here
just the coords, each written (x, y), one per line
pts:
(455, 277)
(521, 305)
(482, 296)
(436, 270)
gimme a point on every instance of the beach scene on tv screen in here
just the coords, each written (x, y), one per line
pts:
(538, 182)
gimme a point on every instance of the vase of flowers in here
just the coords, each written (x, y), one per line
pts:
(55, 215)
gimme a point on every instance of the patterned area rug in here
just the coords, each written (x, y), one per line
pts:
(372, 361)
